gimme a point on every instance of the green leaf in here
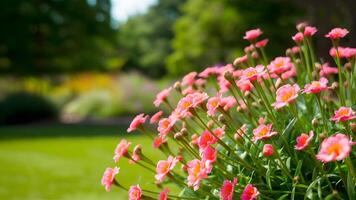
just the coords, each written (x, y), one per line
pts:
(350, 187)
(286, 132)
(293, 194)
(268, 173)
(299, 167)
(283, 197)
(309, 192)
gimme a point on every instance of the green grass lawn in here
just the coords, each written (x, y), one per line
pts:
(65, 162)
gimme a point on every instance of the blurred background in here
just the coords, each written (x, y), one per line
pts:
(74, 73)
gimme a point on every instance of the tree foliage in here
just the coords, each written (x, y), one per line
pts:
(210, 32)
(52, 35)
(145, 39)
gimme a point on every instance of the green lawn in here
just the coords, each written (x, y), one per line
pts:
(65, 162)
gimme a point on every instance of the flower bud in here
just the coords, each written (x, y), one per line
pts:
(315, 122)
(334, 85)
(346, 84)
(353, 127)
(228, 75)
(177, 86)
(210, 123)
(221, 118)
(278, 83)
(348, 66)
(301, 26)
(254, 55)
(268, 150)
(289, 52)
(178, 136)
(322, 136)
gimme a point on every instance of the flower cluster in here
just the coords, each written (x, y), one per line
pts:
(254, 129)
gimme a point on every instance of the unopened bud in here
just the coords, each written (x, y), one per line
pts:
(346, 84)
(301, 26)
(278, 83)
(289, 52)
(177, 86)
(348, 66)
(254, 55)
(184, 131)
(322, 136)
(296, 178)
(315, 122)
(178, 136)
(335, 193)
(334, 85)
(210, 123)
(221, 118)
(317, 66)
(298, 61)
(353, 127)
(228, 75)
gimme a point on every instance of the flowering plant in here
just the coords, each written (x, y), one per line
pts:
(255, 129)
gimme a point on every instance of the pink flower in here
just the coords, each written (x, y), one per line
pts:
(290, 73)
(349, 52)
(327, 70)
(262, 43)
(158, 141)
(298, 37)
(295, 49)
(285, 95)
(213, 104)
(343, 114)
(244, 85)
(250, 193)
(135, 192)
(206, 139)
(164, 167)
(137, 122)
(336, 147)
(310, 31)
(210, 71)
(303, 141)
(227, 189)
(136, 154)
(337, 33)
(263, 132)
(209, 154)
(121, 149)
(195, 139)
(164, 194)
(189, 78)
(252, 34)
(197, 171)
(253, 73)
(109, 177)
(165, 125)
(155, 118)
(162, 96)
(268, 150)
(316, 86)
(280, 65)
(219, 132)
(339, 52)
(240, 60)
(228, 102)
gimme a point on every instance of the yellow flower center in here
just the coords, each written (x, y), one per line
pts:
(335, 149)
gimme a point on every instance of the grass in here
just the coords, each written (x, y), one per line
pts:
(66, 162)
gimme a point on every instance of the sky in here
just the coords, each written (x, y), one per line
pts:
(122, 9)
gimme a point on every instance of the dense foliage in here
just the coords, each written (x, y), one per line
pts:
(52, 36)
(255, 129)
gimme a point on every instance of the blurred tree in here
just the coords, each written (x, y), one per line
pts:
(145, 39)
(210, 32)
(55, 35)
